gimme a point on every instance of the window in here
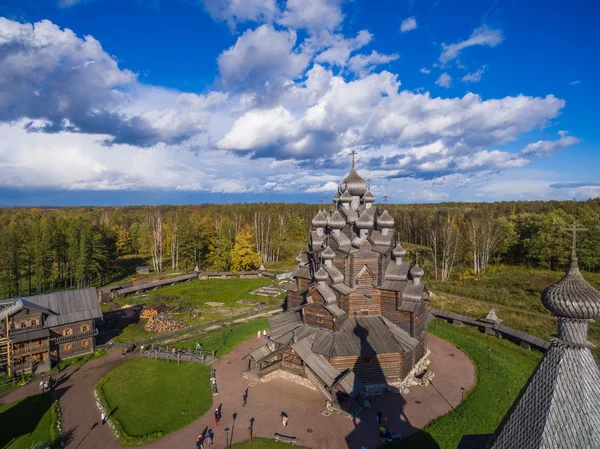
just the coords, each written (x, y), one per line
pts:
(12, 326)
(23, 324)
(85, 328)
(35, 322)
(319, 320)
(68, 347)
(85, 343)
(364, 313)
(67, 331)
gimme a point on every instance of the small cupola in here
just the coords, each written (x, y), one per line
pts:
(416, 273)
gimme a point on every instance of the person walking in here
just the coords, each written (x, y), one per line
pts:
(265, 333)
(284, 419)
(217, 416)
(209, 438)
(103, 417)
(245, 398)
(200, 442)
(258, 334)
(379, 415)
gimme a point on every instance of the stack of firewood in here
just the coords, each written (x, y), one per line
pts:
(148, 313)
(161, 324)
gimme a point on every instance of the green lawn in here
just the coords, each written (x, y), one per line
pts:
(134, 332)
(27, 422)
(263, 443)
(223, 341)
(495, 391)
(78, 361)
(197, 293)
(152, 398)
(509, 286)
(5, 385)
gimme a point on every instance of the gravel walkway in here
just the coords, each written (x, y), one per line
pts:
(266, 401)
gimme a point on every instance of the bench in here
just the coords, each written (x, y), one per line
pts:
(285, 439)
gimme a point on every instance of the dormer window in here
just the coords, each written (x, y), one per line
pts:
(319, 320)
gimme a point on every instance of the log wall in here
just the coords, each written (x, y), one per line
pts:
(382, 368)
(317, 315)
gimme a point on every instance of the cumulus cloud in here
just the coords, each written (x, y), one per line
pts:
(482, 36)
(334, 49)
(63, 82)
(331, 186)
(408, 24)
(573, 83)
(236, 11)
(545, 148)
(473, 77)
(365, 64)
(67, 3)
(262, 55)
(312, 15)
(444, 80)
(425, 70)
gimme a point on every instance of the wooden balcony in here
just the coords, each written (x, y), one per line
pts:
(72, 337)
(25, 329)
(31, 349)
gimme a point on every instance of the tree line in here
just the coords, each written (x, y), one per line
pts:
(43, 249)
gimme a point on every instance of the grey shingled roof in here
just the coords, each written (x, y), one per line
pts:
(66, 307)
(284, 323)
(365, 336)
(31, 335)
(559, 407)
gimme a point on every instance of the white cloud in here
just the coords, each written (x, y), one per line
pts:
(573, 83)
(312, 15)
(545, 148)
(481, 36)
(261, 55)
(335, 49)
(425, 70)
(408, 24)
(474, 77)
(365, 64)
(331, 186)
(67, 3)
(236, 11)
(444, 80)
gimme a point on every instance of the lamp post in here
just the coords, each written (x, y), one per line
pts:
(226, 436)
(462, 398)
(489, 351)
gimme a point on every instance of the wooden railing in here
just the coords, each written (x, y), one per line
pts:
(65, 338)
(31, 349)
(18, 330)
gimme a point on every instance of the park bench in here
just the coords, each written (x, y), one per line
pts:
(285, 439)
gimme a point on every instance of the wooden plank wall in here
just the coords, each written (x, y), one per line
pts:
(362, 305)
(295, 299)
(388, 310)
(380, 369)
(315, 311)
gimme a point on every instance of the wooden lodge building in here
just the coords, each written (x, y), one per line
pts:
(356, 311)
(44, 329)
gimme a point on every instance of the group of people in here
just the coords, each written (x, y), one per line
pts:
(384, 433)
(46, 384)
(127, 350)
(263, 333)
(205, 439)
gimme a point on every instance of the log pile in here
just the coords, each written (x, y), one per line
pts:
(148, 313)
(161, 324)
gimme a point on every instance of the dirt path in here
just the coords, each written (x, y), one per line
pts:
(405, 413)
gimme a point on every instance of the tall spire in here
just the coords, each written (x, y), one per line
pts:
(353, 153)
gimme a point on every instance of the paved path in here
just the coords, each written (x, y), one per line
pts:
(493, 304)
(405, 413)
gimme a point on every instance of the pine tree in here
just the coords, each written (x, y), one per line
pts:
(243, 256)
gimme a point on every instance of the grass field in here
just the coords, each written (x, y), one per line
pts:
(509, 287)
(78, 361)
(134, 332)
(28, 422)
(152, 398)
(495, 391)
(223, 341)
(198, 293)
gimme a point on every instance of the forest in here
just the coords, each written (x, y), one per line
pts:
(47, 249)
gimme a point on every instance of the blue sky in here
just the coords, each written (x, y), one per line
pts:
(150, 102)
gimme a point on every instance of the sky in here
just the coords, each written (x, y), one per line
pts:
(119, 102)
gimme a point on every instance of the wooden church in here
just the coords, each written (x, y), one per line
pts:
(356, 311)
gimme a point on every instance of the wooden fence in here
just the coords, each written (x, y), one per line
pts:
(523, 339)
